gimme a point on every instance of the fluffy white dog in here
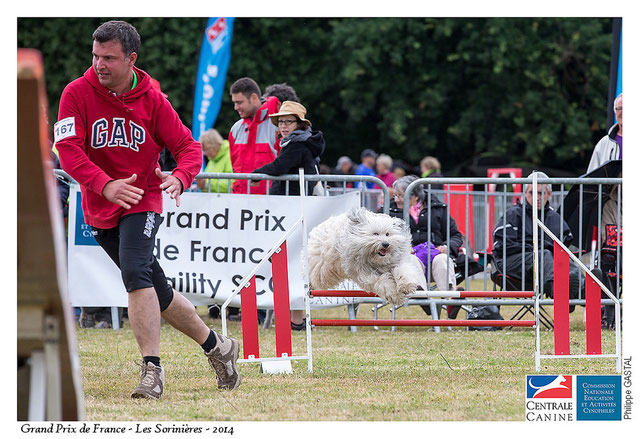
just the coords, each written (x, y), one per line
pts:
(373, 250)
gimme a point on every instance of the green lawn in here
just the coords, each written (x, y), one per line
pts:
(410, 374)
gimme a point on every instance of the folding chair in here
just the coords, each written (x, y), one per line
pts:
(609, 264)
(512, 283)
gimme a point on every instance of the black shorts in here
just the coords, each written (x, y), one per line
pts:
(130, 246)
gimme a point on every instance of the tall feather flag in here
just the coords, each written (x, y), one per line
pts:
(212, 71)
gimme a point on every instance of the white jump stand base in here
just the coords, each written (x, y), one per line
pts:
(276, 366)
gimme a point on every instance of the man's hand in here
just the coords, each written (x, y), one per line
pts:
(442, 249)
(171, 185)
(122, 192)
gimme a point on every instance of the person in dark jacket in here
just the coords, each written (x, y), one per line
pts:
(437, 232)
(300, 146)
(420, 228)
(508, 237)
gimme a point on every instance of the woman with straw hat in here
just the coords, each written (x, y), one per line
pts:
(300, 146)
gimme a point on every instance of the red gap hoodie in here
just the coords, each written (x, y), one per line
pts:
(102, 137)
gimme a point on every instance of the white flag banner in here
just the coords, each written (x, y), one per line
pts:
(206, 246)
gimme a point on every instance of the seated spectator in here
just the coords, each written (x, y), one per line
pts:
(216, 149)
(508, 237)
(366, 167)
(442, 268)
(611, 254)
(383, 166)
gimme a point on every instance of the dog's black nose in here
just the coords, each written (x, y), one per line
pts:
(385, 244)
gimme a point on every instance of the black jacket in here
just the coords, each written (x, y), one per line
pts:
(438, 226)
(509, 229)
(301, 149)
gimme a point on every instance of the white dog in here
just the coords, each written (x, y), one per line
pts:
(373, 250)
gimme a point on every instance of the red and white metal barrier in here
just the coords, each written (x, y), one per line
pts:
(593, 287)
(424, 294)
(281, 309)
(413, 322)
(428, 294)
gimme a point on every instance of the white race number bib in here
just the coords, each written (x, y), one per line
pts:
(64, 128)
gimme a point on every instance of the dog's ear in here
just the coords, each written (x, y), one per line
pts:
(357, 215)
(400, 225)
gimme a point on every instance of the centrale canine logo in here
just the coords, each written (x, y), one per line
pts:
(550, 386)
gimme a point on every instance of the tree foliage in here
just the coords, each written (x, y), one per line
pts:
(532, 89)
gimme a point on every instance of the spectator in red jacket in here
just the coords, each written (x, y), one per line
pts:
(252, 139)
(384, 163)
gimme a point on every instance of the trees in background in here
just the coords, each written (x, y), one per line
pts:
(532, 89)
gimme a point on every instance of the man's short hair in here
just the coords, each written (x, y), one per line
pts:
(120, 31)
(246, 86)
(282, 91)
(539, 174)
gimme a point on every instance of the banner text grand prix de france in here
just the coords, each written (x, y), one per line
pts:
(205, 246)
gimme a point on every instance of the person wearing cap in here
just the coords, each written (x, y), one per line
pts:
(367, 167)
(300, 146)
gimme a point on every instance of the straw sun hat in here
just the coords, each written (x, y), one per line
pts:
(290, 108)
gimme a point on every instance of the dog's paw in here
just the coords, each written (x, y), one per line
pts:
(406, 288)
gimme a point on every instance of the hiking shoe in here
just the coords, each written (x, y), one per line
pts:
(222, 359)
(151, 382)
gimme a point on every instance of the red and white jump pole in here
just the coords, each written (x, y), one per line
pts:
(281, 309)
(425, 294)
(593, 287)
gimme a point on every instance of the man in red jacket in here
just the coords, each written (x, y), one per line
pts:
(252, 139)
(112, 126)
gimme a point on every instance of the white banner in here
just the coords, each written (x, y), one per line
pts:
(206, 246)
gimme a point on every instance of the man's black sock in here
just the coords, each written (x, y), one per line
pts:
(210, 343)
(154, 360)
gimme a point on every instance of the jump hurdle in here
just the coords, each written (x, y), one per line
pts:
(593, 287)
(281, 363)
(423, 295)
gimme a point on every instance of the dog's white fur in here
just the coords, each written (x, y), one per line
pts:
(373, 250)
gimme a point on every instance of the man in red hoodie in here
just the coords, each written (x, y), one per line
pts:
(112, 126)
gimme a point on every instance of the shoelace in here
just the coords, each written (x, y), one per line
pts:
(220, 368)
(147, 377)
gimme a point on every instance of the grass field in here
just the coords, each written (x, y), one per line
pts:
(410, 374)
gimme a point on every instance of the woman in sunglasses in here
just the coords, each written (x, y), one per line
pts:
(300, 146)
